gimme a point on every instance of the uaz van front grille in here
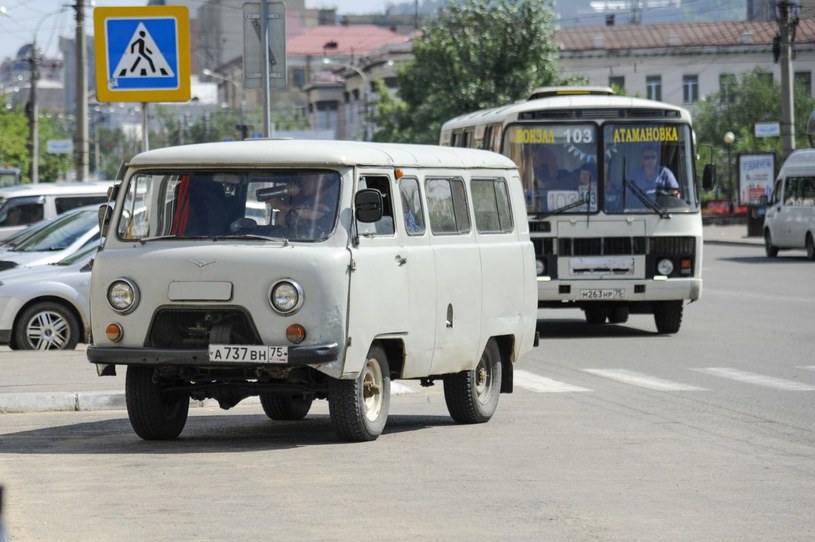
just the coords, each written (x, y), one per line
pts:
(197, 328)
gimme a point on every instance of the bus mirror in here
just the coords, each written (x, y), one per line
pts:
(368, 205)
(113, 192)
(709, 176)
(104, 213)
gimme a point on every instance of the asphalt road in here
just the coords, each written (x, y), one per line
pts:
(613, 433)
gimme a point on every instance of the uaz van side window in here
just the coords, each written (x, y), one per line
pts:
(491, 205)
(412, 205)
(447, 205)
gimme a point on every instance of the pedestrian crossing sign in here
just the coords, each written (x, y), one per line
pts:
(142, 54)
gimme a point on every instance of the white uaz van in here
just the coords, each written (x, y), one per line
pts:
(789, 222)
(302, 270)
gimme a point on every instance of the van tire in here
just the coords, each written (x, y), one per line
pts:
(596, 315)
(46, 326)
(472, 396)
(285, 407)
(359, 407)
(668, 316)
(770, 250)
(810, 245)
(154, 414)
(619, 315)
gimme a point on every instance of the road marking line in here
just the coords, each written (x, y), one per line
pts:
(541, 384)
(760, 380)
(641, 380)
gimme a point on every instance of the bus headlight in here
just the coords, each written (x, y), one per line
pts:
(665, 267)
(123, 295)
(540, 267)
(286, 296)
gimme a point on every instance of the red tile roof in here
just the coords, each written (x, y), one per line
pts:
(351, 40)
(649, 36)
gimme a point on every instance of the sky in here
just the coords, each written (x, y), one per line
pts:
(23, 17)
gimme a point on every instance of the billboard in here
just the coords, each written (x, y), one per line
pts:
(756, 175)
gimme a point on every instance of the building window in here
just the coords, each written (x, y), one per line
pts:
(804, 79)
(690, 89)
(653, 87)
(616, 81)
(299, 77)
(727, 86)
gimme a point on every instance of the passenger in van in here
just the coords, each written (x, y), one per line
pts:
(652, 175)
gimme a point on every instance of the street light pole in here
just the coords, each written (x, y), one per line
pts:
(729, 138)
(33, 113)
(366, 89)
(243, 127)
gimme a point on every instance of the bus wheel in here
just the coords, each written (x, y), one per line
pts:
(154, 414)
(618, 315)
(770, 250)
(472, 396)
(359, 407)
(810, 248)
(668, 316)
(596, 315)
(285, 407)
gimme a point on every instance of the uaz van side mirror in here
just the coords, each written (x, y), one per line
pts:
(104, 214)
(368, 205)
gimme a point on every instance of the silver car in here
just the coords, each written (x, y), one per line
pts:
(46, 307)
(51, 241)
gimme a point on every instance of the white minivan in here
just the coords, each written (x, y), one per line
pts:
(789, 222)
(301, 270)
(25, 204)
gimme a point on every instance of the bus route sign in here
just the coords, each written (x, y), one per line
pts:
(142, 54)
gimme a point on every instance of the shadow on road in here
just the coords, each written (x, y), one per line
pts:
(203, 434)
(578, 328)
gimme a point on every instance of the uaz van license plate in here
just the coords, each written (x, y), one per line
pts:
(237, 353)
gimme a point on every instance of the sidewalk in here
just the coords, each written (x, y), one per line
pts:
(33, 381)
(729, 234)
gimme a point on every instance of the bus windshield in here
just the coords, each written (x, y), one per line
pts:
(644, 167)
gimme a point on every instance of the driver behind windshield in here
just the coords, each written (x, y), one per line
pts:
(652, 175)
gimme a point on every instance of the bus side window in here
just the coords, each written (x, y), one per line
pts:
(412, 205)
(384, 226)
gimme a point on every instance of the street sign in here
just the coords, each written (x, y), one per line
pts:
(767, 129)
(59, 146)
(253, 45)
(142, 54)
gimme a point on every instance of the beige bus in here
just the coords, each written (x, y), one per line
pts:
(302, 270)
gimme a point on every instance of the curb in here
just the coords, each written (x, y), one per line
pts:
(19, 403)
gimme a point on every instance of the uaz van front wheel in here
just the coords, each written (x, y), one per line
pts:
(359, 407)
(472, 396)
(155, 414)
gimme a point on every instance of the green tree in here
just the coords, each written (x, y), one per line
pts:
(748, 98)
(475, 54)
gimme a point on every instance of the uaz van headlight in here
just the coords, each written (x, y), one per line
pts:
(123, 295)
(286, 296)
(665, 267)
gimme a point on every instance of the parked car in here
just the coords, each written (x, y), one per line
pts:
(46, 307)
(50, 241)
(26, 204)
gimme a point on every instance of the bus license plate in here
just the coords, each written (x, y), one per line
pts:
(237, 353)
(604, 295)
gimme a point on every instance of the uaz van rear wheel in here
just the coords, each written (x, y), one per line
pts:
(285, 407)
(472, 396)
(155, 414)
(359, 407)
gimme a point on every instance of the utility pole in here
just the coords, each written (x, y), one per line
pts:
(81, 154)
(787, 21)
(33, 113)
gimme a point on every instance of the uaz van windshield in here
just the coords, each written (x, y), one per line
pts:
(296, 205)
